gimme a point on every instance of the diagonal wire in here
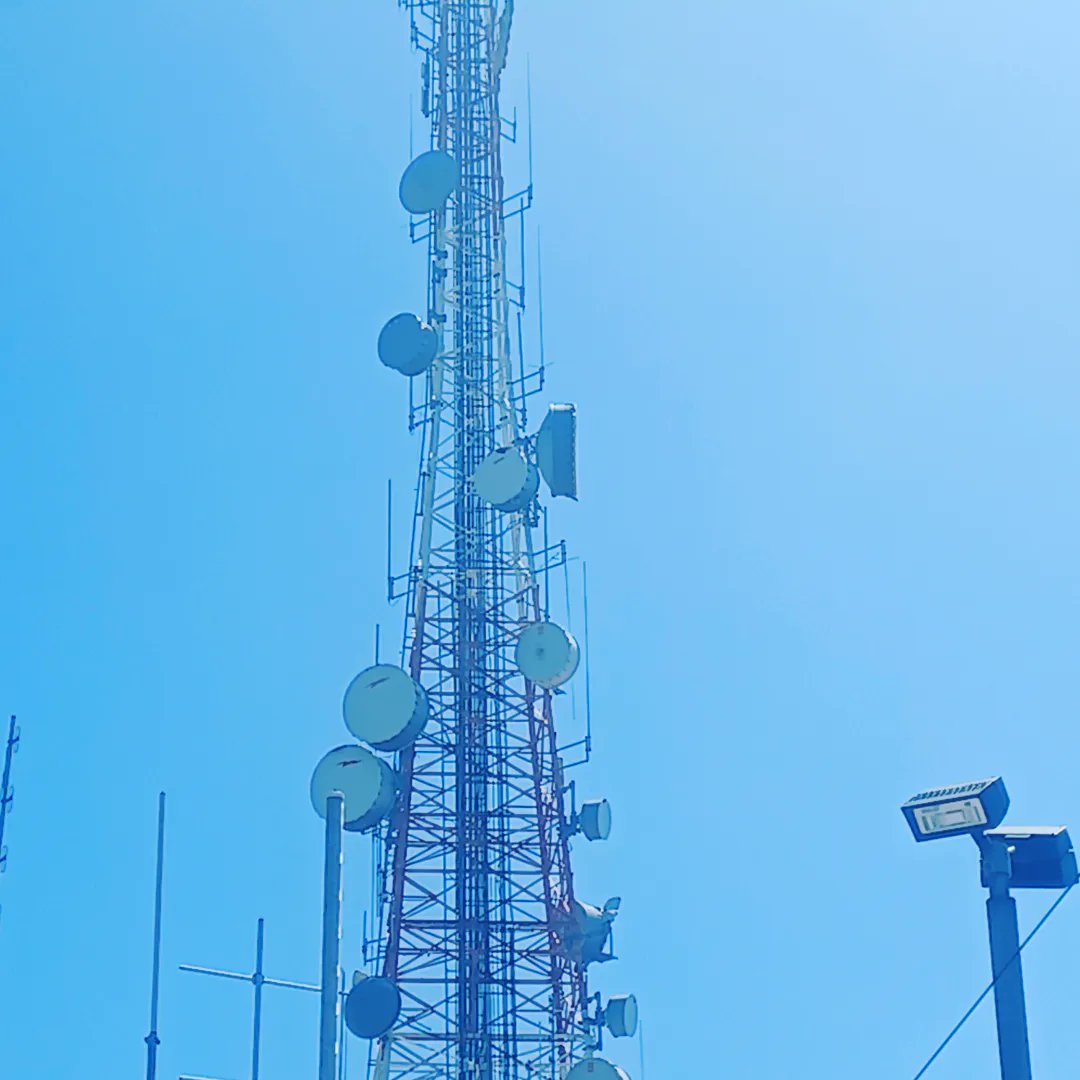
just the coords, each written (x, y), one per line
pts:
(979, 1000)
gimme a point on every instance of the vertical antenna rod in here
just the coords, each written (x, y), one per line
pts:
(152, 1040)
(331, 939)
(256, 1023)
(7, 794)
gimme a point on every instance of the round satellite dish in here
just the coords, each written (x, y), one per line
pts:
(596, 1069)
(385, 707)
(407, 345)
(372, 1007)
(595, 819)
(428, 182)
(621, 1016)
(546, 654)
(366, 781)
(506, 479)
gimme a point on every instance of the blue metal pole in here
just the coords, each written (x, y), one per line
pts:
(343, 1043)
(1009, 1003)
(256, 1024)
(331, 939)
(5, 784)
(152, 1040)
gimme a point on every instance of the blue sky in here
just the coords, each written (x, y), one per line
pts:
(810, 276)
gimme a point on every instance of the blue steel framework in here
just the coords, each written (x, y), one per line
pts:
(475, 889)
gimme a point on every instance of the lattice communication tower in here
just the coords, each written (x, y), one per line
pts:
(478, 968)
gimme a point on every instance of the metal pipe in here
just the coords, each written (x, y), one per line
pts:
(343, 1043)
(331, 939)
(256, 1023)
(152, 1040)
(5, 784)
(1009, 1005)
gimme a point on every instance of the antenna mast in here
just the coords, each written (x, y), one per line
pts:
(7, 792)
(480, 962)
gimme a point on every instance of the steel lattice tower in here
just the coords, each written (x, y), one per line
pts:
(480, 929)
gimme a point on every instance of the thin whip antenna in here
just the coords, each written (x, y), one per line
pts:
(540, 297)
(528, 117)
(152, 1040)
(585, 642)
(570, 627)
(389, 540)
(7, 792)
(331, 939)
(257, 979)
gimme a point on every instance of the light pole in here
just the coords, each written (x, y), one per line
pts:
(1039, 857)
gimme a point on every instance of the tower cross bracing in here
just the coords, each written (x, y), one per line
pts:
(477, 890)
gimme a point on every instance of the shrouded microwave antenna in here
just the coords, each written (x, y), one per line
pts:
(621, 1016)
(372, 1006)
(408, 345)
(428, 182)
(594, 819)
(385, 707)
(506, 479)
(365, 782)
(547, 655)
(596, 1068)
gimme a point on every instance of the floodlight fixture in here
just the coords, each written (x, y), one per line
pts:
(957, 810)
(1039, 856)
(1012, 857)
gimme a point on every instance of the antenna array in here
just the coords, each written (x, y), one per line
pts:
(479, 968)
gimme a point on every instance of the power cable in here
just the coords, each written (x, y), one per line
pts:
(981, 997)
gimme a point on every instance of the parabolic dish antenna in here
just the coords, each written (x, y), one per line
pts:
(556, 450)
(428, 181)
(385, 707)
(621, 1016)
(366, 781)
(372, 1007)
(546, 654)
(595, 819)
(506, 479)
(407, 345)
(596, 1069)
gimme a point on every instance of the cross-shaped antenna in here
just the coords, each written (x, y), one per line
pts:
(258, 980)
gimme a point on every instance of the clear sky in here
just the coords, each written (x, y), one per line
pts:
(810, 274)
